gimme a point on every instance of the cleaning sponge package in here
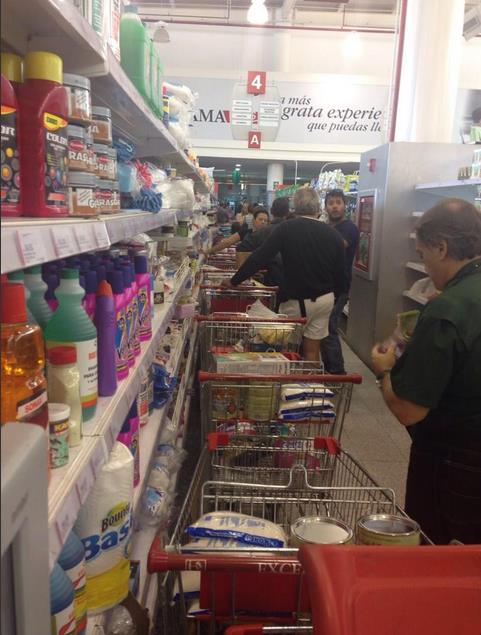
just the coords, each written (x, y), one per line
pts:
(104, 526)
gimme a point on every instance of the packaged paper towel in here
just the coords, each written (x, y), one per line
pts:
(104, 526)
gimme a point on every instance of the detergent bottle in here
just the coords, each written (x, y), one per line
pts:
(72, 561)
(37, 303)
(135, 50)
(11, 79)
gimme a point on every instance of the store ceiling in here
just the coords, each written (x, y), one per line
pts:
(255, 170)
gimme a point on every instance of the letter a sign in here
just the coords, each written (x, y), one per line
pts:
(254, 140)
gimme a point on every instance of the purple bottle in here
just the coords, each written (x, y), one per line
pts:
(116, 280)
(90, 291)
(142, 277)
(135, 311)
(106, 324)
(101, 273)
(129, 315)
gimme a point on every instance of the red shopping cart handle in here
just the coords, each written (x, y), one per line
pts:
(244, 317)
(159, 561)
(285, 379)
(245, 629)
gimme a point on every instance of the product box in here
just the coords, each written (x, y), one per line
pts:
(252, 363)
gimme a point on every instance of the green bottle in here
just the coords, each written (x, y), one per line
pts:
(154, 79)
(135, 51)
(37, 303)
(70, 325)
(18, 277)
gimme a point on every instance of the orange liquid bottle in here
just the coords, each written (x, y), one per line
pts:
(23, 383)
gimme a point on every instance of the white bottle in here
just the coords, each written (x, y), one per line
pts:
(63, 386)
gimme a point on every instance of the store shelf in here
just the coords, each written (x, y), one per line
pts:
(448, 188)
(416, 266)
(70, 486)
(415, 298)
(31, 241)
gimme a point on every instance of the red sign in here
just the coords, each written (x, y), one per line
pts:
(256, 82)
(254, 140)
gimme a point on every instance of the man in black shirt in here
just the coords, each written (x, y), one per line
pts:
(331, 350)
(313, 260)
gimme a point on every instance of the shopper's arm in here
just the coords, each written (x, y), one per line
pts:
(259, 258)
(223, 244)
(406, 412)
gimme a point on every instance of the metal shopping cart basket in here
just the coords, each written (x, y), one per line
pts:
(262, 584)
(220, 300)
(225, 260)
(302, 402)
(227, 333)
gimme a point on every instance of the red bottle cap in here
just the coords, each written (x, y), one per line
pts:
(104, 288)
(14, 309)
(60, 355)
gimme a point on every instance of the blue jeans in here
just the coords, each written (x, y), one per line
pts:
(331, 351)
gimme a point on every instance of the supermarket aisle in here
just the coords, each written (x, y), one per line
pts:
(372, 434)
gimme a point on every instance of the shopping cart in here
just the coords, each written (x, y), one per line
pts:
(301, 402)
(225, 260)
(221, 300)
(238, 332)
(261, 584)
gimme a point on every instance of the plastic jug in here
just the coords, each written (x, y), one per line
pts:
(135, 50)
(70, 325)
(105, 321)
(11, 79)
(143, 279)
(61, 603)
(37, 303)
(72, 561)
(116, 281)
(18, 277)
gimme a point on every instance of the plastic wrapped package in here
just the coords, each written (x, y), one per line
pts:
(177, 194)
(184, 93)
(249, 530)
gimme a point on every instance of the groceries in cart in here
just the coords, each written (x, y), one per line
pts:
(252, 363)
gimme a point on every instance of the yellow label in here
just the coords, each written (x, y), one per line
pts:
(108, 589)
(53, 122)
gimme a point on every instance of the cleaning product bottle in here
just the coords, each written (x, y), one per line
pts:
(101, 272)
(64, 387)
(134, 425)
(142, 277)
(143, 398)
(37, 303)
(116, 281)
(11, 79)
(90, 291)
(154, 79)
(23, 386)
(135, 50)
(72, 561)
(129, 315)
(52, 282)
(18, 277)
(135, 312)
(71, 326)
(62, 613)
(43, 136)
(105, 321)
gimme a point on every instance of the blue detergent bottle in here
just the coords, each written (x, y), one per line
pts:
(62, 615)
(72, 561)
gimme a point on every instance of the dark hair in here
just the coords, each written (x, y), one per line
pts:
(335, 194)
(457, 222)
(260, 210)
(280, 207)
(235, 227)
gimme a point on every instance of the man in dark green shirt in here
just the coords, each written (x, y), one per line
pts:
(435, 386)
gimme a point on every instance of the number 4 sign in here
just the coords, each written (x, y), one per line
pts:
(256, 82)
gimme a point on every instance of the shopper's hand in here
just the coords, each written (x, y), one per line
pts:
(382, 360)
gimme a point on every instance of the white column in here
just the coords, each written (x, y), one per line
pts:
(430, 70)
(275, 173)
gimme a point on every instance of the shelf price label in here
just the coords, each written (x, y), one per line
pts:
(85, 237)
(64, 241)
(101, 235)
(31, 247)
(84, 484)
(67, 516)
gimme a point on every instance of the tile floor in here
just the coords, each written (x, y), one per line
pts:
(372, 434)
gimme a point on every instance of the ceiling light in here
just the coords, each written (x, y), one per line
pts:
(238, 165)
(352, 44)
(257, 13)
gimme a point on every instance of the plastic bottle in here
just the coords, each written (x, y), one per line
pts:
(37, 303)
(135, 312)
(64, 387)
(116, 281)
(101, 273)
(70, 325)
(134, 424)
(52, 282)
(11, 79)
(62, 611)
(143, 279)
(135, 50)
(154, 79)
(59, 424)
(129, 314)
(23, 386)
(18, 277)
(43, 138)
(90, 292)
(105, 321)
(143, 398)
(72, 561)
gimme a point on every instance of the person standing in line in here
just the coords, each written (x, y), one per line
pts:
(313, 261)
(239, 232)
(434, 388)
(331, 350)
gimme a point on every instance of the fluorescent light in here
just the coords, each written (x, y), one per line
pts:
(238, 165)
(257, 13)
(352, 44)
